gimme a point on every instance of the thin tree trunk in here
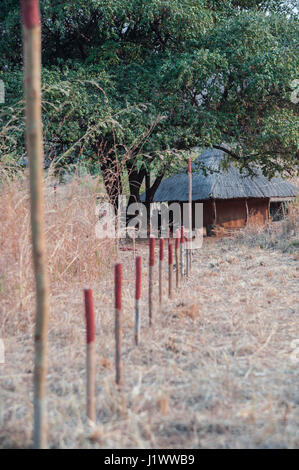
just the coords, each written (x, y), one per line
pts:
(148, 201)
(34, 144)
(112, 178)
(135, 181)
(150, 192)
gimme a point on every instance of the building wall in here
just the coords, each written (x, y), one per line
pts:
(232, 213)
(258, 211)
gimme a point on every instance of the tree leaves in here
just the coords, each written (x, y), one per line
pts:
(155, 78)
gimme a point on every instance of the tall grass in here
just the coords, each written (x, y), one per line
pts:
(282, 235)
(75, 255)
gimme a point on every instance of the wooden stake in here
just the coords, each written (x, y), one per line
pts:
(187, 257)
(118, 323)
(177, 258)
(182, 250)
(90, 354)
(134, 244)
(170, 271)
(137, 300)
(34, 144)
(190, 214)
(247, 212)
(55, 198)
(161, 269)
(150, 278)
(214, 213)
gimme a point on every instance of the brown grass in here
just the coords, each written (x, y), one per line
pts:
(282, 235)
(214, 371)
(75, 256)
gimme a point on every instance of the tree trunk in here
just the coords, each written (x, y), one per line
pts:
(148, 200)
(135, 181)
(150, 192)
(112, 177)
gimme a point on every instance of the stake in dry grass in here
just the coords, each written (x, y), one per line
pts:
(182, 245)
(161, 256)
(187, 256)
(118, 323)
(170, 270)
(150, 278)
(34, 145)
(177, 258)
(190, 215)
(137, 300)
(90, 354)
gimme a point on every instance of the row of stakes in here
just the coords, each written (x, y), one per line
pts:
(181, 242)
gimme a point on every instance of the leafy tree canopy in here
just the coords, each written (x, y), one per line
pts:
(134, 84)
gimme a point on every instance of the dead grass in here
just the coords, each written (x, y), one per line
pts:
(283, 235)
(214, 371)
(75, 256)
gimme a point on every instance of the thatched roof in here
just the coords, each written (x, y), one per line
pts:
(226, 184)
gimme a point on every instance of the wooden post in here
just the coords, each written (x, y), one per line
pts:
(90, 354)
(283, 210)
(161, 256)
(269, 211)
(137, 299)
(55, 198)
(118, 323)
(187, 256)
(150, 278)
(189, 250)
(247, 212)
(134, 243)
(182, 240)
(170, 270)
(34, 145)
(177, 258)
(214, 213)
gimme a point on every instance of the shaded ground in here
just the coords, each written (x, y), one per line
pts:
(215, 371)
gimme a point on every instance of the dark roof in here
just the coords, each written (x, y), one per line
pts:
(226, 184)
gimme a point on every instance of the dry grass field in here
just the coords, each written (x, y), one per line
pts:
(214, 371)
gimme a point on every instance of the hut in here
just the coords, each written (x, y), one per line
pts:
(231, 199)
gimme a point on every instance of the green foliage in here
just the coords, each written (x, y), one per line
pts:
(150, 79)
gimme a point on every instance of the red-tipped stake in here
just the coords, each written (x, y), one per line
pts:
(182, 249)
(170, 270)
(137, 299)
(90, 354)
(161, 256)
(118, 323)
(190, 213)
(150, 278)
(177, 258)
